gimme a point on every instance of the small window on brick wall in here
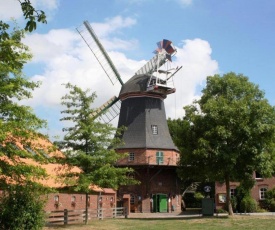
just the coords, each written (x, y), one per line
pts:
(131, 156)
(258, 175)
(159, 157)
(56, 198)
(132, 199)
(262, 193)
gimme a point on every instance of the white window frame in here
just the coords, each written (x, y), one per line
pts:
(159, 157)
(131, 157)
(154, 129)
(132, 199)
(262, 193)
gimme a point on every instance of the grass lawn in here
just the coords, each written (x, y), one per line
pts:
(236, 222)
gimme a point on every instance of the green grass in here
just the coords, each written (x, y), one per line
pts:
(213, 223)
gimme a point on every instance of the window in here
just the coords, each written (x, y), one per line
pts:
(154, 129)
(43, 153)
(132, 199)
(56, 198)
(30, 150)
(262, 193)
(159, 158)
(258, 175)
(232, 192)
(131, 156)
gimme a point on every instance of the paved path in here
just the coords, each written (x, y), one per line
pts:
(163, 215)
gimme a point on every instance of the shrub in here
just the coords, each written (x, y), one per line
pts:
(248, 204)
(269, 202)
(22, 208)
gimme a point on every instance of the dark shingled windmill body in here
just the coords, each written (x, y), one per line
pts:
(140, 105)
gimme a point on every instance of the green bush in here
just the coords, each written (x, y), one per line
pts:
(269, 202)
(248, 204)
(22, 208)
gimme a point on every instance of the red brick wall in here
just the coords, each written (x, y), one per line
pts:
(65, 201)
(148, 156)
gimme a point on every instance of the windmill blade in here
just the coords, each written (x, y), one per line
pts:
(165, 50)
(151, 66)
(91, 39)
(109, 110)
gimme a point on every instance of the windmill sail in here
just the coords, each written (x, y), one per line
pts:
(109, 110)
(99, 52)
(164, 52)
(152, 65)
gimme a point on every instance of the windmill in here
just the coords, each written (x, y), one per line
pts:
(161, 82)
(140, 106)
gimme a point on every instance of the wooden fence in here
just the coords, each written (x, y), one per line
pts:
(78, 216)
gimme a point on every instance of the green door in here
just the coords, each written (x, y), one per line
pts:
(159, 203)
(162, 203)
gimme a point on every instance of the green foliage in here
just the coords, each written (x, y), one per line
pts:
(18, 123)
(269, 202)
(90, 144)
(227, 134)
(32, 15)
(248, 204)
(198, 196)
(22, 207)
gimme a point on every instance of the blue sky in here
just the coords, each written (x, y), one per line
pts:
(211, 36)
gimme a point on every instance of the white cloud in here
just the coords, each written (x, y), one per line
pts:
(195, 58)
(12, 9)
(185, 2)
(112, 25)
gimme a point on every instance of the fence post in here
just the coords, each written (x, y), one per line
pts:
(65, 216)
(114, 212)
(126, 212)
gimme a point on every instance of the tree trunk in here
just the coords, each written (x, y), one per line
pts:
(228, 197)
(86, 209)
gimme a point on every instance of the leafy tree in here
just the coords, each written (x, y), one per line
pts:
(227, 134)
(90, 144)
(18, 124)
(22, 208)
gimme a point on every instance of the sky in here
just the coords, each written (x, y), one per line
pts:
(211, 37)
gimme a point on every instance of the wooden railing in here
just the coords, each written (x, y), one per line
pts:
(78, 216)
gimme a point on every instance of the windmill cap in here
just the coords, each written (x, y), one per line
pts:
(137, 85)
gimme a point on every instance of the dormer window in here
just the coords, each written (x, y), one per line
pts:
(154, 129)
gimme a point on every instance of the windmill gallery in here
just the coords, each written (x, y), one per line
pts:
(140, 105)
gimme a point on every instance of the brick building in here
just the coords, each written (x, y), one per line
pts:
(257, 192)
(98, 197)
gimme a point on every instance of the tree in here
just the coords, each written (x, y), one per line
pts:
(228, 133)
(90, 144)
(18, 124)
